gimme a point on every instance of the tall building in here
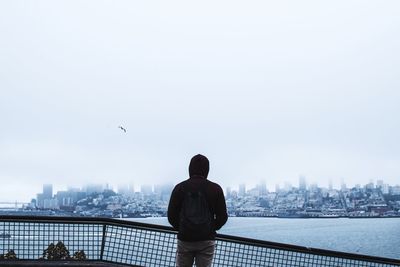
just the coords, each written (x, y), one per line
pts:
(262, 188)
(163, 191)
(343, 186)
(242, 190)
(64, 198)
(45, 197)
(277, 188)
(47, 191)
(302, 183)
(228, 192)
(385, 189)
(395, 190)
(313, 187)
(370, 186)
(51, 204)
(379, 183)
(39, 201)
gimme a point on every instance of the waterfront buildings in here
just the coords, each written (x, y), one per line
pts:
(98, 200)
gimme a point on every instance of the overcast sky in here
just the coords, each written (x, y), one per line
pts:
(267, 90)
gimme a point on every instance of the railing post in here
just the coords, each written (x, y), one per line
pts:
(103, 241)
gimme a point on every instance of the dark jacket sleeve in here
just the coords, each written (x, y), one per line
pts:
(220, 210)
(174, 208)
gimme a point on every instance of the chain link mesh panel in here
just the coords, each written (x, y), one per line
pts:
(29, 239)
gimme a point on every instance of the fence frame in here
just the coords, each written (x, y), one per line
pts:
(108, 222)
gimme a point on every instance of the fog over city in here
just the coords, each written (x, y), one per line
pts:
(267, 90)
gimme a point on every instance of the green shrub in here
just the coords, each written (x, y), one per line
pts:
(79, 255)
(56, 252)
(61, 252)
(10, 255)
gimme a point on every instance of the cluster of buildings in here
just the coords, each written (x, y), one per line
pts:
(102, 200)
(370, 200)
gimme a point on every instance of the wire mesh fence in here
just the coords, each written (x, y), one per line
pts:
(29, 240)
(139, 244)
(142, 247)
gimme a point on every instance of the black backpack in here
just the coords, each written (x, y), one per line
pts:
(196, 221)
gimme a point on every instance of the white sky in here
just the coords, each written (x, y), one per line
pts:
(268, 90)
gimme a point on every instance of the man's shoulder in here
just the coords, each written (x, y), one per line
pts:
(188, 184)
(214, 185)
(180, 185)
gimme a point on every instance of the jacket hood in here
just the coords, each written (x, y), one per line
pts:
(199, 165)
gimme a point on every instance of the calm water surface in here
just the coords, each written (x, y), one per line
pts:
(378, 237)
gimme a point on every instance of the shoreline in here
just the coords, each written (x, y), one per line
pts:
(280, 216)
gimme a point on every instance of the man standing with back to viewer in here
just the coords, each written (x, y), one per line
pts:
(197, 209)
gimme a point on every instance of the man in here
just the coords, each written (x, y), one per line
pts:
(197, 209)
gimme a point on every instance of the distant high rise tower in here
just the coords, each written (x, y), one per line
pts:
(370, 185)
(343, 186)
(47, 191)
(242, 190)
(228, 192)
(277, 188)
(385, 189)
(302, 183)
(262, 188)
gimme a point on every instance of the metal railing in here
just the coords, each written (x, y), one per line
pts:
(140, 244)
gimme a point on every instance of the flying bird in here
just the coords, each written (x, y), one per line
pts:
(122, 128)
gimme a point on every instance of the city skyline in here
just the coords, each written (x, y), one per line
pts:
(240, 188)
(336, 184)
(302, 201)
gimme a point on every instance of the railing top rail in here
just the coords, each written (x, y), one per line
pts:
(86, 220)
(222, 237)
(308, 250)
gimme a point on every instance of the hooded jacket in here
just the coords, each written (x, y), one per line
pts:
(198, 172)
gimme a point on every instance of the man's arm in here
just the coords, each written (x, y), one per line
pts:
(174, 208)
(220, 210)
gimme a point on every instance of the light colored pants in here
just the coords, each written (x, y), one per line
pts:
(200, 252)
